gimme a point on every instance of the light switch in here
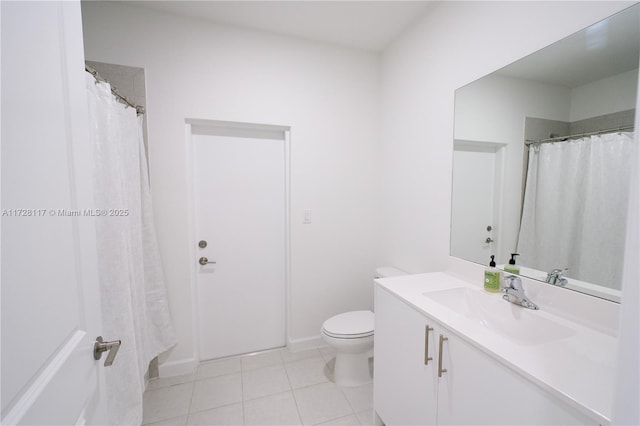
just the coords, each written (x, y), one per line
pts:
(307, 216)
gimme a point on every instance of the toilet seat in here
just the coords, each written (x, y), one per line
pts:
(350, 325)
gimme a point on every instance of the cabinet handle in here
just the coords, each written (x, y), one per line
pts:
(427, 358)
(440, 369)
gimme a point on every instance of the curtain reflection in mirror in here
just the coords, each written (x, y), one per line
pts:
(575, 207)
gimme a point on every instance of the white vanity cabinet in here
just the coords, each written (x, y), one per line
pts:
(405, 386)
(475, 388)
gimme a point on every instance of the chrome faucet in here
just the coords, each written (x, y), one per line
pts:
(555, 277)
(515, 292)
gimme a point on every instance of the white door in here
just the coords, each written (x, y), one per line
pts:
(475, 193)
(50, 296)
(239, 194)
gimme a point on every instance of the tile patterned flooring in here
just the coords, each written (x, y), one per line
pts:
(271, 388)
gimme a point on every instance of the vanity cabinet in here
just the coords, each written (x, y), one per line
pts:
(475, 388)
(405, 387)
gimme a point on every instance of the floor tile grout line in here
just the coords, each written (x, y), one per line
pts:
(239, 358)
(190, 412)
(213, 408)
(355, 413)
(347, 398)
(244, 422)
(295, 400)
(170, 378)
(193, 387)
(336, 418)
(293, 394)
(273, 366)
(172, 417)
(244, 370)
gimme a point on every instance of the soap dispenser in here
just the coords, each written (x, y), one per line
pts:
(512, 268)
(492, 277)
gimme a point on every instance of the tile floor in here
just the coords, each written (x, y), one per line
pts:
(271, 388)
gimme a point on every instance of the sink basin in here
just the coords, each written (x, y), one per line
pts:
(523, 326)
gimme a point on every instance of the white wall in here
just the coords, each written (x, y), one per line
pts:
(454, 45)
(493, 108)
(328, 95)
(612, 94)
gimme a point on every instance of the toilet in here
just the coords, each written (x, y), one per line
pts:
(351, 335)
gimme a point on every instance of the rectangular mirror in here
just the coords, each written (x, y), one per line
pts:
(541, 161)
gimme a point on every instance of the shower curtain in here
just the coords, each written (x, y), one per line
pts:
(132, 289)
(575, 207)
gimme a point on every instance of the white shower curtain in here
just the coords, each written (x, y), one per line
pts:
(575, 207)
(133, 293)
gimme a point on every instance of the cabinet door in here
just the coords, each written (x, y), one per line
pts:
(477, 389)
(404, 387)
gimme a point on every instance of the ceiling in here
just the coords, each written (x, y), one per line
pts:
(607, 48)
(368, 25)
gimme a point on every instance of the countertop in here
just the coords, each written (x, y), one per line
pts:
(578, 369)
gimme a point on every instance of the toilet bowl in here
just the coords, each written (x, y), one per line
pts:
(351, 335)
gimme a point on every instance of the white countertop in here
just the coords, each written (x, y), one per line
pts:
(578, 369)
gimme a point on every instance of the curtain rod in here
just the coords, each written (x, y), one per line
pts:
(564, 138)
(139, 109)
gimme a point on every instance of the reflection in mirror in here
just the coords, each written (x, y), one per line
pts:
(541, 162)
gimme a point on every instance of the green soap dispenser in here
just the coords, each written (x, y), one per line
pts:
(492, 277)
(512, 268)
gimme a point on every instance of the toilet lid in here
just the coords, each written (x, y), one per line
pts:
(350, 324)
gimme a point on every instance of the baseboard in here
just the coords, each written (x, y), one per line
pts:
(178, 368)
(296, 345)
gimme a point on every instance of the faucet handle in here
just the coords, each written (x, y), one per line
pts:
(555, 277)
(560, 280)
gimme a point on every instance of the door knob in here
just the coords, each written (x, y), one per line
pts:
(204, 261)
(102, 346)
(489, 240)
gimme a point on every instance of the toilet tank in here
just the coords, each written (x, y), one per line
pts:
(388, 271)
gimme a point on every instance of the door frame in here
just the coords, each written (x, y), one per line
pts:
(499, 152)
(241, 129)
